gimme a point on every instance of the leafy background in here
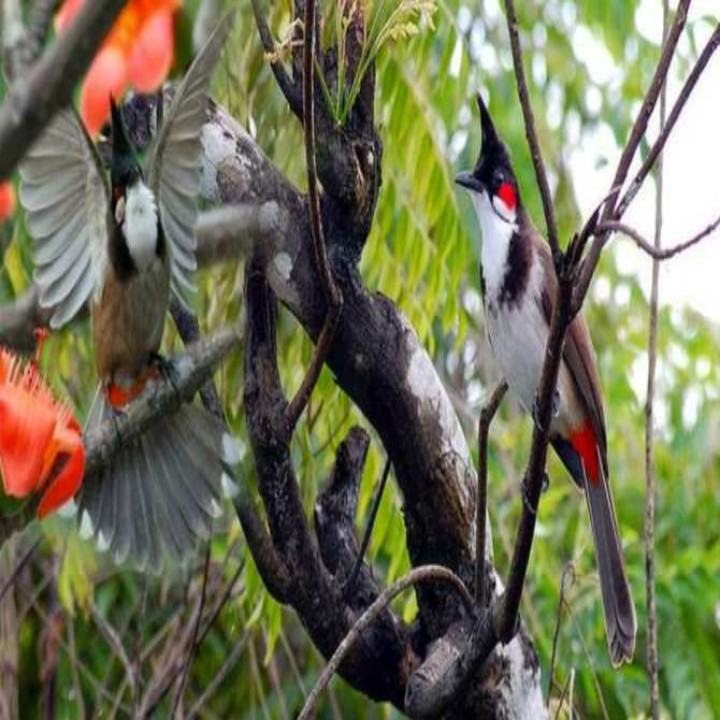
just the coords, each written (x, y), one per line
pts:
(422, 253)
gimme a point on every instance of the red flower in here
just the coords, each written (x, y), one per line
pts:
(138, 52)
(41, 447)
(7, 201)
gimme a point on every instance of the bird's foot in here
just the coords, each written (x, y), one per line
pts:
(526, 496)
(545, 483)
(554, 410)
(166, 368)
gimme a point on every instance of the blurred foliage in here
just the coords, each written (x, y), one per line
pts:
(423, 253)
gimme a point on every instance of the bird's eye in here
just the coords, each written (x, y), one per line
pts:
(498, 178)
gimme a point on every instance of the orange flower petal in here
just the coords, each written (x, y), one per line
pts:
(26, 427)
(8, 201)
(107, 75)
(152, 52)
(68, 481)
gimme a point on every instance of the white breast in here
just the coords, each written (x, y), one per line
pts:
(140, 225)
(518, 334)
(496, 235)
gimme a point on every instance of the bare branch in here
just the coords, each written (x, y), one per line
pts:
(417, 575)
(667, 127)
(192, 371)
(568, 572)
(289, 89)
(530, 132)
(636, 135)
(649, 529)
(49, 84)
(196, 630)
(115, 642)
(657, 253)
(486, 417)
(333, 296)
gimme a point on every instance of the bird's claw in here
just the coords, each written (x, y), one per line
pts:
(166, 368)
(554, 410)
(526, 497)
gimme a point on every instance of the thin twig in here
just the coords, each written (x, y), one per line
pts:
(711, 46)
(636, 135)
(486, 417)
(417, 575)
(333, 296)
(196, 631)
(568, 572)
(219, 676)
(649, 529)
(656, 253)
(289, 89)
(530, 132)
(115, 642)
(350, 584)
(10, 580)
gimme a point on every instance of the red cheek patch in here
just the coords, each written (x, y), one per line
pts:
(506, 192)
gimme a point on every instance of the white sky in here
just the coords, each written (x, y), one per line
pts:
(691, 174)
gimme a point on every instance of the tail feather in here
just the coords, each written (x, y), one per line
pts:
(159, 494)
(620, 620)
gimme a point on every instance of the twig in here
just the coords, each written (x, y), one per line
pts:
(115, 642)
(289, 89)
(636, 135)
(568, 572)
(417, 575)
(350, 584)
(657, 253)
(49, 84)
(333, 296)
(196, 629)
(10, 580)
(530, 132)
(219, 676)
(711, 46)
(486, 417)
(649, 529)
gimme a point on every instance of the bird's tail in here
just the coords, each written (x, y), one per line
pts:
(620, 621)
(160, 493)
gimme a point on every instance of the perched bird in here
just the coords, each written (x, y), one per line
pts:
(124, 246)
(519, 288)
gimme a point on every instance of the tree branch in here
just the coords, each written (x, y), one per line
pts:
(486, 417)
(333, 296)
(530, 132)
(649, 529)
(657, 253)
(636, 135)
(289, 89)
(417, 575)
(667, 127)
(48, 86)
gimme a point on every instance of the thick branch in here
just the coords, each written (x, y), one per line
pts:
(192, 370)
(417, 575)
(49, 84)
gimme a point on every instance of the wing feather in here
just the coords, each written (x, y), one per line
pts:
(65, 196)
(578, 353)
(175, 165)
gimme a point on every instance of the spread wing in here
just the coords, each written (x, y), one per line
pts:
(578, 353)
(67, 211)
(174, 170)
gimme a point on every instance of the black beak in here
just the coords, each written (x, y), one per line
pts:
(469, 181)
